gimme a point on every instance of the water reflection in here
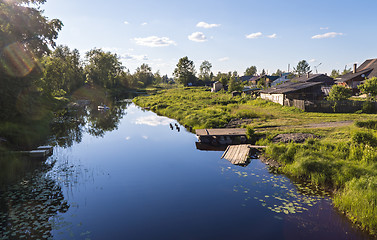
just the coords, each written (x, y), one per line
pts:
(27, 206)
(72, 122)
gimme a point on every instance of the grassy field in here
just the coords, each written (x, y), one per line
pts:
(344, 159)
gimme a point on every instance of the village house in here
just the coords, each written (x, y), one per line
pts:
(358, 75)
(309, 87)
(217, 86)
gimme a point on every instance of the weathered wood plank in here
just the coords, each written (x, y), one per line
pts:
(237, 154)
(221, 132)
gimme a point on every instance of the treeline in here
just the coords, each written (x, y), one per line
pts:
(64, 72)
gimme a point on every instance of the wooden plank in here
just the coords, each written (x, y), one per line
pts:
(226, 150)
(221, 132)
(237, 154)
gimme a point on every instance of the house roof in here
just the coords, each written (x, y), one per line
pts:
(289, 87)
(369, 68)
(349, 76)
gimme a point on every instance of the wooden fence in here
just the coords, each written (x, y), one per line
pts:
(347, 106)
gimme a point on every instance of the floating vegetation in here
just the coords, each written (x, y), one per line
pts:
(28, 206)
(32, 208)
(286, 197)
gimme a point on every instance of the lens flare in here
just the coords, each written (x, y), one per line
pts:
(17, 60)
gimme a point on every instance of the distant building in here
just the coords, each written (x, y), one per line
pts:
(358, 75)
(308, 87)
(283, 78)
(217, 86)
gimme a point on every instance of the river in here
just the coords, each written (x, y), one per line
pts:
(125, 174)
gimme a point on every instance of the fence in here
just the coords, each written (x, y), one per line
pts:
(346, 106)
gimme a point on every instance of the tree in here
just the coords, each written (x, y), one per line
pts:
(185, 71)
(103, 68)
(224, 81)
(22, 22)
(63, 72)
(278, 73)
(250, 71)
(234, 85)
(369, 87)
(25, 36)
(263, 72)
(157, 78)
(338, 93)
(302, 67)
(335, 73)
(346, 70)
(205, 71)
(144, 74)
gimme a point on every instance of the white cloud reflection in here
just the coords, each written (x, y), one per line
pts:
(153, 121)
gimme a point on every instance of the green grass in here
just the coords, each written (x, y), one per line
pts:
(344, 159)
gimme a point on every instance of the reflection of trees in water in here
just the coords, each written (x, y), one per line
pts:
(70, 124)
(27, 206)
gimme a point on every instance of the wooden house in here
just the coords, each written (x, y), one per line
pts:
(353, 79)
(217, 86)
(308, 87)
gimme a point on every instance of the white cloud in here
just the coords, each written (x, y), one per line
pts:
(312, 60)
(272, 35)
(154, 41)
(153, 121)
(324, 28)
(197, 37)
(125, 22)
(144, 24)
(134, 57)
(145, 137)
(207, 25)
(223, 59)
(128, 138)
(254, 35)
(327, 35)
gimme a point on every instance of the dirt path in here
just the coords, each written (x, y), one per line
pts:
(312, 125)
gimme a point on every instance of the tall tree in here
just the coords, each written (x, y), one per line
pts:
(144, 74)
(250, 71)
(25, 36)
(103, 68)
(302, 67)
(205, 71)
(63, 72)
(185, 71)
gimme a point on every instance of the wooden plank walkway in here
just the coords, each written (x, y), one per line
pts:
(221, 132)
(238, 154)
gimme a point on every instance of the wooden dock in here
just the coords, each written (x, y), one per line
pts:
(222, 136)
(239, 154)
(221, 132)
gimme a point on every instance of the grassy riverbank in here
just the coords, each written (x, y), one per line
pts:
(344, 159)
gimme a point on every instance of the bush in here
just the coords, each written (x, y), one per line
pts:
(366, 138)
(370, 124)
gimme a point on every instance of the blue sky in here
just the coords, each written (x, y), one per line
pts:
(232, 35)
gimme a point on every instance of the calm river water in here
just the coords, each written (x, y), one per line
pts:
(125, 174)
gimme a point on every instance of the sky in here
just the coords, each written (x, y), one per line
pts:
(231, 34)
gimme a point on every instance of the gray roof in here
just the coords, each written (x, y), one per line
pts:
(349, 76)
(369, 68)
(289, 87)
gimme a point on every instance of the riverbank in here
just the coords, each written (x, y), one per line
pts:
(343, 159)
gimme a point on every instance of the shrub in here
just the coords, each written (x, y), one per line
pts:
(370, 124)
(366, 138)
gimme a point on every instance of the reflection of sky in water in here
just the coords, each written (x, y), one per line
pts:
(153, 121)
